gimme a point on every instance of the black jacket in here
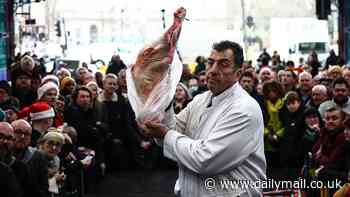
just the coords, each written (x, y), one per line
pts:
(88, 128)
(38, 173)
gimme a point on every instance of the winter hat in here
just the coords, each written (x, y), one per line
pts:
(184, 87)
(5, 86)
(65, 82)
(27, 63)
(64, 70)
(53, 135)
(46, 87)
(51, 78)
(41, 110)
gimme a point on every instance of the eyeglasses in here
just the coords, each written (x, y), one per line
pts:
(6, 137)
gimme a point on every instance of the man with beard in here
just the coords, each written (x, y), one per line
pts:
(340, 95)
(202, 84)
(329, 148)
(9, 183)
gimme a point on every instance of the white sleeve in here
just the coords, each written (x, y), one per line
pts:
(230, 142)
(173, 121)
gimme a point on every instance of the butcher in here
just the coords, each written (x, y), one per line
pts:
(217, 140)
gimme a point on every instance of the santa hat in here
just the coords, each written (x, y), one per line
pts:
(41, 110)
(51, 78)
(53, 136)
(46, 87)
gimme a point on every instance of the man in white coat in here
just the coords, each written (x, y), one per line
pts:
(217, 140)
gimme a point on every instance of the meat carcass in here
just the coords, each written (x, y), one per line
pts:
(152, 65)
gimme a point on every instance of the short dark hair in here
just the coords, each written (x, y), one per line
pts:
(341, 80)
(247, 74)
(292, 96)
(75, 93)
(236, 49)
(272, 86)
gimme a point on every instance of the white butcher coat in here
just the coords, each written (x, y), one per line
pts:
(223, 141)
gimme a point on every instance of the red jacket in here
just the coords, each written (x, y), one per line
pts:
(331, 145)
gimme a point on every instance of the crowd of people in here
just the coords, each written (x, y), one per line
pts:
(61, 132)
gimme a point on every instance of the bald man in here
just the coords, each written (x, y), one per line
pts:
(36, 162)
(319, 94)
(6, 140)
(21, 180)
(305, 86)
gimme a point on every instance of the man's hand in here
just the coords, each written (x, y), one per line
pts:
(153, 128)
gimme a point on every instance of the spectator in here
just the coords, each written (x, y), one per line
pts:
(289, 81)
(334, 72)
(290, 153)
(5, 95)
(193, 85)
(50, 78)
(182, 97)
(200, 60)
(248, 82)
(99, 76)
(80, 114)
(313, 124)
(340, 96)
(115, 65)
(37, 162)
(63, 73)
(202, 84)
(329, 149)
(41, 115)
(8, 183)
(265, 75)
(305, 86)
(313, 62)
(67, 86)
(50, 145)
(11, 113)
(331, 60)
(22, 89)
(318, 96)
(48, 92)
(80, 73)
(273, 96)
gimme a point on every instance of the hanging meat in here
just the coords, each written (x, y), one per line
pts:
(152, 67)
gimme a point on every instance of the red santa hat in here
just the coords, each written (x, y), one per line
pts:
(46, 87)
(41, 110)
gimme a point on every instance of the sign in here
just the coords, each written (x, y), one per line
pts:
(30, 22)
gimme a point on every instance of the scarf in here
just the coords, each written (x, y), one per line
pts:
(273, 110)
